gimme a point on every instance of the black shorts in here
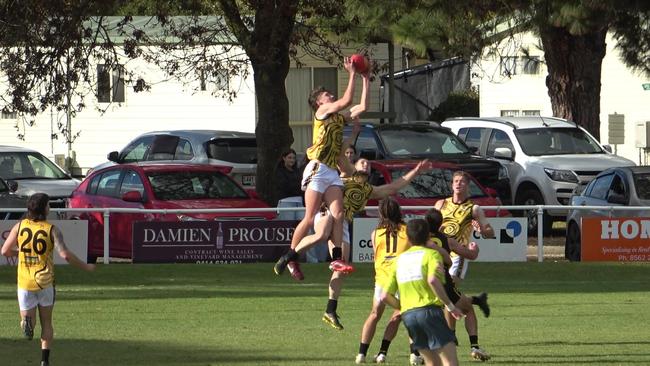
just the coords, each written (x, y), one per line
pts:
(453, 293)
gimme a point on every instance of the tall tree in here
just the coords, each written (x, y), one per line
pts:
(49, 47)
(572, 33)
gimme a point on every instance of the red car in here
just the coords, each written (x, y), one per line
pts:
(156, 186)
(428, 187)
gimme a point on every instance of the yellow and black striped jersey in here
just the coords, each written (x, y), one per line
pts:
(35, 255)
(327, 140)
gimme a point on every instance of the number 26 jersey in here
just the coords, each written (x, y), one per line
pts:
(35, 259)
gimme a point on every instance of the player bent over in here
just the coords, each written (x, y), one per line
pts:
(38, 239)
(419, 278)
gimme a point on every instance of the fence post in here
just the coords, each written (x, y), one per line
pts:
(540, 234)
(107, 215)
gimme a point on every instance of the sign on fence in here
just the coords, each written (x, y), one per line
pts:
(212, 242)
(510, 244)
(615, 239)
(75, 233)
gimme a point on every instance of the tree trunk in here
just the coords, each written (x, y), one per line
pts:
(273, 132)
(574, 70)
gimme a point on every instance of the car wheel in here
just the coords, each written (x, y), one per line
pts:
(533, 197)
(572, 245)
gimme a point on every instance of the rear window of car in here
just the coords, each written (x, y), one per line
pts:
(435, 183)
(642, 184)
(191, 185)
(234, 150)
(422, 142)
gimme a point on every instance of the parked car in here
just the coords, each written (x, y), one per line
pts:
(421, 140)
(547, 158)
(624, 186)
(428, 187)
(225, 148)
(154, 185)
(28, 171)
(8, 199)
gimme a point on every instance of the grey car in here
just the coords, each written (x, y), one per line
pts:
(623, 186)
(28, 171)
(8, 199)
(227, 148)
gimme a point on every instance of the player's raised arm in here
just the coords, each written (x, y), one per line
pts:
(484, 228)
(338, 105)
(383, 191)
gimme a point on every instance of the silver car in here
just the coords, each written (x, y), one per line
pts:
(28, 171)
(229, 148)
(624, 186)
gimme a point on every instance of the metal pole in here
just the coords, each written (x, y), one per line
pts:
(540, 234)
(107, 215)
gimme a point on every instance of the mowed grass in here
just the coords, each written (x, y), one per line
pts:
(551, 313)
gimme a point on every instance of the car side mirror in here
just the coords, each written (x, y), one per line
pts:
(618, 199)
(13, 185)
(608, 148)
(503, 153)
(370, 154)
(132, 196)
(113, 156)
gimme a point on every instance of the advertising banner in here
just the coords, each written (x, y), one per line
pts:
(211, 242)
(75, 234)
(618, 240)
(510, 244)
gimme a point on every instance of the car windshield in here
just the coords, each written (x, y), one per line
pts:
(28, 165)
(556, 141)
(435, 183)
(192, 185)
(233, 150)
(422, 142)
(642, 184)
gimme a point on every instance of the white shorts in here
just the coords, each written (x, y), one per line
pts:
(318, 177)
(458, 267)
(379, 290)
(346, 227)
(28, 300)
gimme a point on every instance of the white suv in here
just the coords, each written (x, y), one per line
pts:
(547, 158)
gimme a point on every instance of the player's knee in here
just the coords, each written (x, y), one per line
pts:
(337, 215)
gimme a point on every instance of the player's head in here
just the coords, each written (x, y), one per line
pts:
(390, 210)
(460, 181)
(434, 219)
(417, 232)
(350, 153)
(319, 96)
(362, 165)
(38, 206)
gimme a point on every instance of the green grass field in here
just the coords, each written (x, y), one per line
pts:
(552, 313)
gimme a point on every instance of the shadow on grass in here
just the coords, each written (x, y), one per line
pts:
(97, 352)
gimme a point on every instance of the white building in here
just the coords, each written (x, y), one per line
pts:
(514, 83)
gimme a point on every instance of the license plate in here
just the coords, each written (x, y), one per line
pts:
(248, 180)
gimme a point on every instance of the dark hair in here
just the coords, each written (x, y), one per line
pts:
(434, 219)
(289, 151)
(37, 206)
(284, 154)
(390, 215)
(351, 147)
(313, 96)
(417, 231)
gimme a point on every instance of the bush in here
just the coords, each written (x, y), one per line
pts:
(459, 104)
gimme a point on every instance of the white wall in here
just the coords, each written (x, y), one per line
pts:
(167, 105)
(621, 91)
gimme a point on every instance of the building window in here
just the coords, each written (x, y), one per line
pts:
(530, 65)
(9, 114)
(508, 65)
(509, 113)
(301, 81)
(218, 78)
(110, 84)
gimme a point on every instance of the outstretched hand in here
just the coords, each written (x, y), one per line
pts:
(347, 64)
(423, 166)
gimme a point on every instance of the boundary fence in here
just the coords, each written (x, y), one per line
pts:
(539, 209)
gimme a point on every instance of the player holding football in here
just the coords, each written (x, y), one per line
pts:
(320, 173)
(38, 239)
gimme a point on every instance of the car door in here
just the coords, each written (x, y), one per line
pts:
(122, 223)
(102, 193)
(596, 195)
